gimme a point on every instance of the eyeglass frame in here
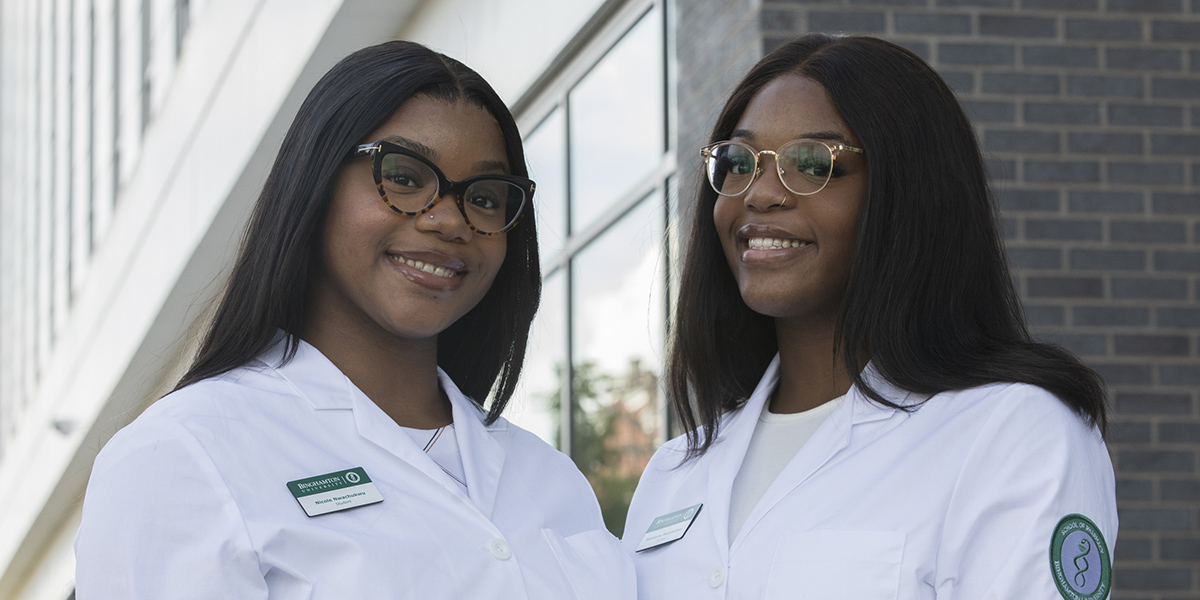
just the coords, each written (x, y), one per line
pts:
(378, 149)
(834, 150)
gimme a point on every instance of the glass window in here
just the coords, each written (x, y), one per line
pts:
(617, 317)
(546, 153)
(537, 404)
(599, 156)
(617, 125)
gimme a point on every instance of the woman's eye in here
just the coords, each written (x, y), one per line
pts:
(403, 178)
(483, 201)
(741, 166)
(813, 167)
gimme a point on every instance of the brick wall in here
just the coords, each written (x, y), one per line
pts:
(1089, 114)
(717, 41)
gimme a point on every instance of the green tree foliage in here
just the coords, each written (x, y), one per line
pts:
(595, 425)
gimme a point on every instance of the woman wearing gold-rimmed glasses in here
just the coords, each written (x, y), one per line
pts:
(332, 438)
(866, 414)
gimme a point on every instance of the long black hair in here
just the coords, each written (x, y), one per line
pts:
(929, 299)
(266, 291)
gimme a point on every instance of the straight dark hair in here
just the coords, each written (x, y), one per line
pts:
(266, 291)
(929, 299)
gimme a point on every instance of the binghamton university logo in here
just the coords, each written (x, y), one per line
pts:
(1079, 560)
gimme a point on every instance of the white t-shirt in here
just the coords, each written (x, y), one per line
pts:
(441, 445)
(777, 438)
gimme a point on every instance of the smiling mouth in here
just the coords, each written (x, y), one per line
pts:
(426, 267)
(766, 243)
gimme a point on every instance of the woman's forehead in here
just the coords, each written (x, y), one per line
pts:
(445, 131)
(791, 107)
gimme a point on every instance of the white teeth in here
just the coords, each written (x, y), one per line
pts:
(763, 243)
(428, 268)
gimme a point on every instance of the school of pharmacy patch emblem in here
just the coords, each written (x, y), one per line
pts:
(1079, 560)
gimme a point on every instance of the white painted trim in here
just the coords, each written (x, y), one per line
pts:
(240, 79)
(53, 576)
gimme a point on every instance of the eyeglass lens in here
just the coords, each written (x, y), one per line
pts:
(490, 205)
(805, 167)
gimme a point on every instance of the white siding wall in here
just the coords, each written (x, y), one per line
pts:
(128, 162)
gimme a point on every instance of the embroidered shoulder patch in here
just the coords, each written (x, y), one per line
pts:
(1079, 560)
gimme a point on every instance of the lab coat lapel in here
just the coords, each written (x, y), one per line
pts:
(377, 427)
(482, 455)
(831, 438)
(326, 388)
(728, 452)
(312, 375)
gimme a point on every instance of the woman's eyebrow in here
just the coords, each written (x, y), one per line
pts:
(742, 133)
(413, 145)
(485, 166)
(746, 134)
(826, 135)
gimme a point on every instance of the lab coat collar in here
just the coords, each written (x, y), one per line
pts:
(314, 377)
(482, 455)
(738, 427)
(325, 387)
(866, 410)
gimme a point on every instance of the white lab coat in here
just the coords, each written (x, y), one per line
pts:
(190, 501)
(956, 500)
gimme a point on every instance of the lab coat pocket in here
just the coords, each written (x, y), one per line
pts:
(595, 564)
(837, 565)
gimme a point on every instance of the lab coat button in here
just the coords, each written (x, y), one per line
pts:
(717, 577)
(499, 549)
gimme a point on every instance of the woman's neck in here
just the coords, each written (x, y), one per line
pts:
(399, 376)
(811, 371)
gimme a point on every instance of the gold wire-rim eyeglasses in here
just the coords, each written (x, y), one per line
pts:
(710, 154)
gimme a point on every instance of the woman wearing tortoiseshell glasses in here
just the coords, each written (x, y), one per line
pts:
(332, 438)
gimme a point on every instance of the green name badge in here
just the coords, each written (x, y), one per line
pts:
(335, 491)
(668, 528)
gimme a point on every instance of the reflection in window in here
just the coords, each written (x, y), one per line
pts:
(617, 122)
(617, 314)
(546, 153)
(536, 405)
(595, 350)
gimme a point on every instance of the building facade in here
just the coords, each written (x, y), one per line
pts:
(135, 134)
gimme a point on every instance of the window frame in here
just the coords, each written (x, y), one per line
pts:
(551, 92)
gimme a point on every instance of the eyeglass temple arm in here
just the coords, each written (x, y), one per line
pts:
(365, 149)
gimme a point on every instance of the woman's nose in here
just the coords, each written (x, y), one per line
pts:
(445, 219)
(766, 191)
